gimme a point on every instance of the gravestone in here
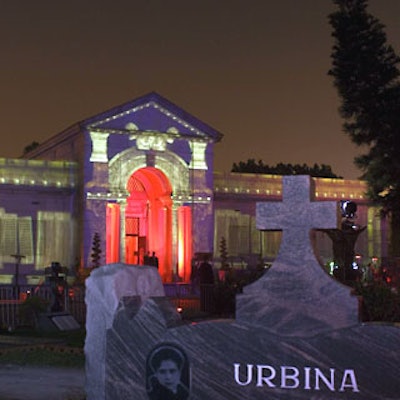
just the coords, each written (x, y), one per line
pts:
(105, 288)
(296, 334)
(56, 279)
(57, 318)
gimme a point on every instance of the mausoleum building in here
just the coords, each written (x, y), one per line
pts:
(141, 177)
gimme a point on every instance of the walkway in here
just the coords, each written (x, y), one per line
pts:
(38, 383)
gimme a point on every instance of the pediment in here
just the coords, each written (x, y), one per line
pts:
(152, 114)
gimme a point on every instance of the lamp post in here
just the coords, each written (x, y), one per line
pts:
(344, 240)
(18, 258)
(250, 244)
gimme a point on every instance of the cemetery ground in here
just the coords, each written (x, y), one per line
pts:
(36, 366)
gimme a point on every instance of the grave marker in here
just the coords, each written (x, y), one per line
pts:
(295, 336)
(297, 296)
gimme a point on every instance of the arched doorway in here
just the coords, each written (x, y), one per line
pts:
(151, 222)
(148, 219)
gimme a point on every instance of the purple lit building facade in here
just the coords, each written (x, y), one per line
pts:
(141, 176)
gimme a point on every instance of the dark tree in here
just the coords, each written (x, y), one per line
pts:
(253, 167)
(31, 147)
(366, 76)
(223, 251)
(96, 251)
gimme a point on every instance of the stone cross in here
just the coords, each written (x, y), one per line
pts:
(296, 216)
(296, 296)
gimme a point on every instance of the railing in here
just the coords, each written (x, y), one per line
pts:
(11, 298)
(179, 290)
(182, 296)
(9, 313)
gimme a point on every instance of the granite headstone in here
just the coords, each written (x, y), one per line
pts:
(296, 334)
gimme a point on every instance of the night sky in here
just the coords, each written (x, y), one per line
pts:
(256, 70)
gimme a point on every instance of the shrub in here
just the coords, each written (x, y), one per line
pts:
(30, 309)
(379, 301)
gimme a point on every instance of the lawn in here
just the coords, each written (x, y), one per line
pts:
(27, 347)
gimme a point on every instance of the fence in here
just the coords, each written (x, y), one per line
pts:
(11, 297)
(190, 298)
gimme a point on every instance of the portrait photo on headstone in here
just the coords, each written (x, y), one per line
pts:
(167, 373)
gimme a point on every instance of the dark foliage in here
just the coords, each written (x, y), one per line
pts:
(253, 167)
(96, 251)
(234, 281)
(223, 251)
(366, 75)
(31, 147)
(379, 302)
(30, 309)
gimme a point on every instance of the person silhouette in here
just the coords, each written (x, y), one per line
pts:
(154, 260)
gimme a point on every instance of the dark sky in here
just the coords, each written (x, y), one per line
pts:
(256, 70)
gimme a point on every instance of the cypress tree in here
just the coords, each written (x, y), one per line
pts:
(366, 75)
(96, 251)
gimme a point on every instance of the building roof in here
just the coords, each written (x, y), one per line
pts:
(159, 111)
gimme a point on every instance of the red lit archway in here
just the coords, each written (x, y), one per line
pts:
(148, 219)
(147, 226)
